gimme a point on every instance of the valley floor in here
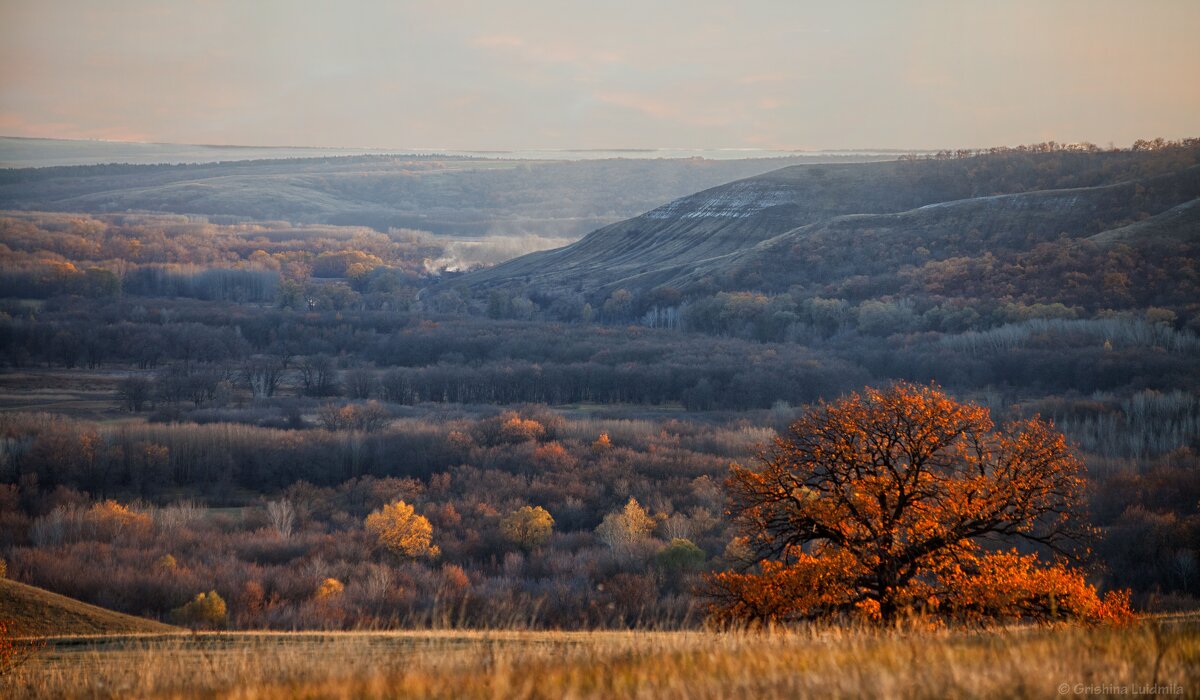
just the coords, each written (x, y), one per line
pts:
(1157, 657)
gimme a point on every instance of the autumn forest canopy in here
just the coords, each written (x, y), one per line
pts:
(959, 385)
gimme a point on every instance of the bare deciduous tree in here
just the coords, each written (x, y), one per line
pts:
(282, 515)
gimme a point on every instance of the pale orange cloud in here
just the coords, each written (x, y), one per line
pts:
(644, 104)
(15, 125)
(546, 51)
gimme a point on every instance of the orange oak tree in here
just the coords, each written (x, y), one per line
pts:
(901, 501)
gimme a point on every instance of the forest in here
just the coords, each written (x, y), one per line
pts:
(331, 427)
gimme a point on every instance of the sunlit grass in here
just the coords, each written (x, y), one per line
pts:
(813, 662)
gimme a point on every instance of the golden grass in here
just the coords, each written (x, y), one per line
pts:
(818, 662)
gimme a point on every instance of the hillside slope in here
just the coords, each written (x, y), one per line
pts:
(1178, 223)
(805, 224)
(876, 245)
(37, 612)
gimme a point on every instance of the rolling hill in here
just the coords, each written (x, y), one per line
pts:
(36, 612)
(811, 224)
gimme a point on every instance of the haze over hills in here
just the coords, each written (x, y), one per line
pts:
(23, 152)
(555, 195)
(539, 349)
(813, 225)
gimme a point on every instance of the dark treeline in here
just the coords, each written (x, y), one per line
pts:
(1049, 165)
(407, 358)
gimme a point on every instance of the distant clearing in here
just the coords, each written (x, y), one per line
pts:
(81, 394)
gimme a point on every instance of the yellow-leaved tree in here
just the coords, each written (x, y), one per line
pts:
(205, 610)
(528, 526)
(402, 531)
(626, 531)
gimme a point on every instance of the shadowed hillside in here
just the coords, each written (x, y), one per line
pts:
(36, 612)
(876, 245)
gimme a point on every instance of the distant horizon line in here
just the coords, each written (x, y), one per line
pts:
(619, 149)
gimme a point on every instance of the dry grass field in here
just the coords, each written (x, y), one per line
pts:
(1158, 657)
(81, 394)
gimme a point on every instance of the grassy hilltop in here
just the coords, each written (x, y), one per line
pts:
(31, 611)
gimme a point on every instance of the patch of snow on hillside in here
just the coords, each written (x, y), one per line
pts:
(736, 201)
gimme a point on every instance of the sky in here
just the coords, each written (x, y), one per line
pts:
(601, 74)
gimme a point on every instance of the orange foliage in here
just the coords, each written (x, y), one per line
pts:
(877, 505)
(1012, 585)
(369, 417)
(552, 455)
(402, 531)
(455, 578)
(110, 519)
(330, 588)
(517, 429)
(13, 651)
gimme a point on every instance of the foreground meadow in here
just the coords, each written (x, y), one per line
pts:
(1159, 657)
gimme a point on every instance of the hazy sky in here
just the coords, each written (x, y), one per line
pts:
(601, 74)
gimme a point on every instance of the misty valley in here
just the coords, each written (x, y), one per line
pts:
(538, 350)
(222, 416)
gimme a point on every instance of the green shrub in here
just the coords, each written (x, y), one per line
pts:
(680, 555)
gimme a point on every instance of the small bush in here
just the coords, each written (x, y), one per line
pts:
(206, 610)
(330, 588)
(680, 555)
